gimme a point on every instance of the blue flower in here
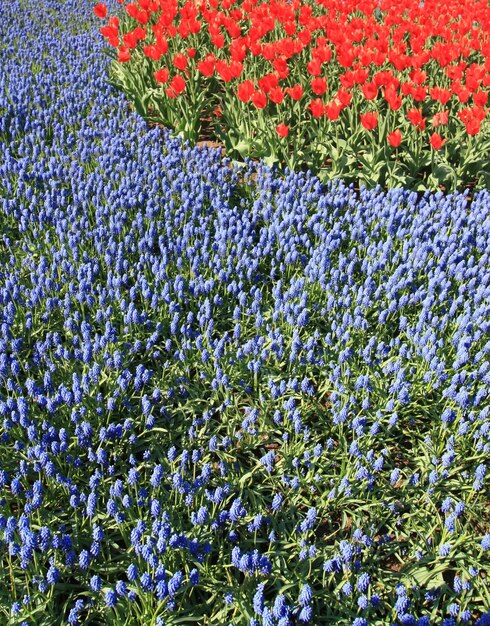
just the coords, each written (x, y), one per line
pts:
(347, 589)
(121, 588)
(175, 583)
(258, 599)
(305, 614)
(132, 572)
(95, 583)
(16, 608)
(444, 549)
(276, 502)
(363, 582)
(309, 521)
(53, 575)
(146, 581)
(305, 596)
(111, 598)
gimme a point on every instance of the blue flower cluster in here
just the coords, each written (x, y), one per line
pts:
(226, 396)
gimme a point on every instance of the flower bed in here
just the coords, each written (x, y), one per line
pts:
(227, 397)
(392, 92)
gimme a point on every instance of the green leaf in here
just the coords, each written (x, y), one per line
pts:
(484, 180)
(425, 576)
(243, 147)
(445, 174)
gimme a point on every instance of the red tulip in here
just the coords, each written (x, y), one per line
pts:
(124, 55)
(100, 10)
(395, 138)
(316, 107)
(282, 130)
(245, 90)
(436, 141)
(161, 76)
(369, 120)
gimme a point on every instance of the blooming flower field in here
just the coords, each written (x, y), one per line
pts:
(378, 91)
(226, 397)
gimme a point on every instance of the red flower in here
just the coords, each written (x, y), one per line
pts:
(113, 41)
(347, 80)
(360, 75)
(304, 36)
(224, 71)
(268, 82)
(236, 69)
(132, 10)
(245, 90)
(319, 86)
(384, 79)
(314, 67)
(142, 17)
(161, 76)
(295, 93)
(344, 97)
(369, 90)
(392, 98)
(440, 119)
(465, 115)
(152, 52)
(111, 31)
(276, 95)
(440, 94)
(282, 130)
(207, 66)
(176, 86)
(290, 28)
(407, 89)
(480, 98)
(268, 51)
(280, 64)
(161, 44)
(415, 117)
(322, 54)
(419, 93)
(124, 55)
(418, 76)
(473, 126)
(238, 51)
(100, 10)
(259, 100)
(286, 47)
(130, 40)
(191, 52)
(345, 56)
(180, 61)
(332, 110)
(369, 120)
(139, 33)
(460, 91)
(436, 141)
(316, 107)
(395, 138)
(218, 40)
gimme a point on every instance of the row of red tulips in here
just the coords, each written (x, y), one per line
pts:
(308, 83)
